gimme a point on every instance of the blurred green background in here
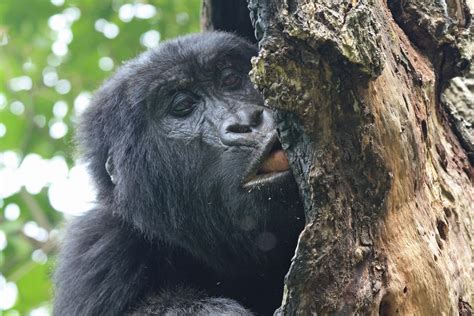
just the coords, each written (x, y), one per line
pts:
(53, 55)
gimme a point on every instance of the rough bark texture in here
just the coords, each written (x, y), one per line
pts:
(458, 99)
(383, 170)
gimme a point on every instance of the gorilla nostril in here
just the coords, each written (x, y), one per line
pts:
(238, 128)
(256, 118)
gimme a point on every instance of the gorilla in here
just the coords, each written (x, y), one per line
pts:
(197, 211)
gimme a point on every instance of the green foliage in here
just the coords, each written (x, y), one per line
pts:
(54, 51)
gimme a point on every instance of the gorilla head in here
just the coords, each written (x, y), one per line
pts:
(188, 164)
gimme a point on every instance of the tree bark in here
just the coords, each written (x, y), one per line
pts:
(382, 166)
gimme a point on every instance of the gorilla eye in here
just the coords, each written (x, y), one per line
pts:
(183, 104)
(231, 79)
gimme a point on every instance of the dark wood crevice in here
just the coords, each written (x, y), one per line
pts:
(227, 15)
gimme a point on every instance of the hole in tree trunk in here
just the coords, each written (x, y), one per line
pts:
(442, 229)
(387, 306)
(447, 212)
(424, 129)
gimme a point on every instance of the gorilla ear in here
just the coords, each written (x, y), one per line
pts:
(109, 167)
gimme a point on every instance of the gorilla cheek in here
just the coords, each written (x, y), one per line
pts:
(266, 241)
(248, 223)
(263, 241)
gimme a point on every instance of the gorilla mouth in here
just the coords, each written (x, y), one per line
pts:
(270, 167)
(275, 161)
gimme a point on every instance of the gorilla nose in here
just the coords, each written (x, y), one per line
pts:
(246, 126)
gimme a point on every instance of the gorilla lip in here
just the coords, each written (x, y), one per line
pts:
(276, 161)
(269, 167)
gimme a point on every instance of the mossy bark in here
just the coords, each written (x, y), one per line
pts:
(386, 182)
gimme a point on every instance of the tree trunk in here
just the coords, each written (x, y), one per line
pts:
(382, 165)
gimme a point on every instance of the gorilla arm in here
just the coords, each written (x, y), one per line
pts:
(186, 301)
(100, 269)
(106, 268)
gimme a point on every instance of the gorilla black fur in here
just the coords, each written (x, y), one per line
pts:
(185, 223)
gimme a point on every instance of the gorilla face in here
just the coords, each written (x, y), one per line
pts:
(193, 154)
